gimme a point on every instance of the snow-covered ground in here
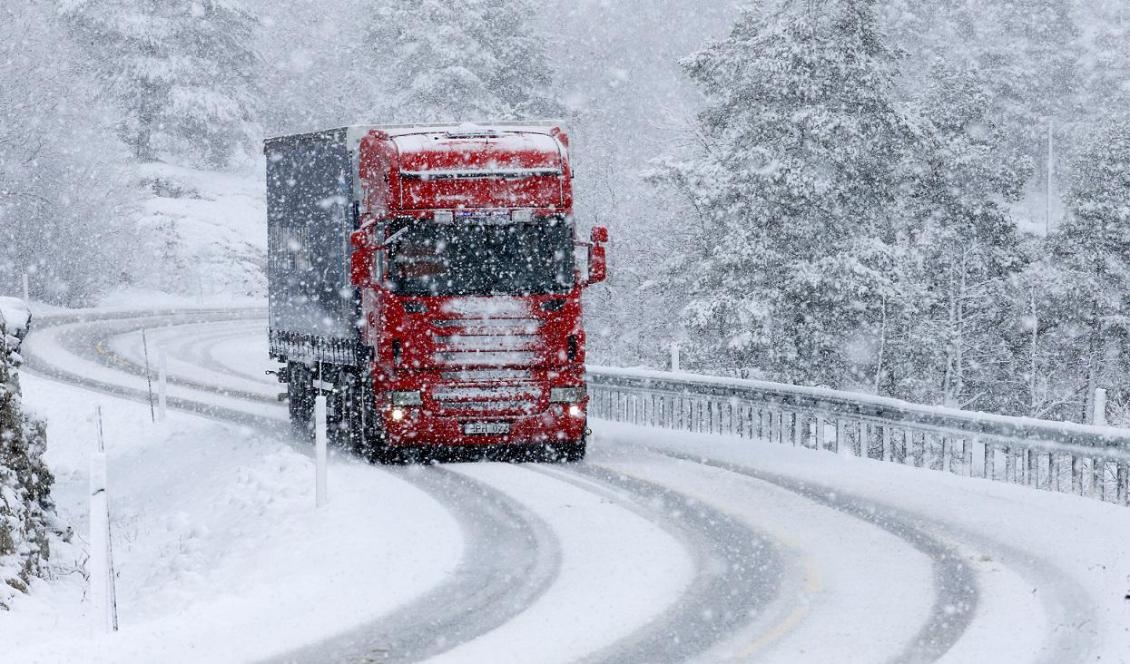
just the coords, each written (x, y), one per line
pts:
(220, 553)
(222, 557)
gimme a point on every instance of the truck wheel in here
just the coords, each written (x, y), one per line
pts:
(576, 451)
(300, 399)
(340, 418)
(567, 452)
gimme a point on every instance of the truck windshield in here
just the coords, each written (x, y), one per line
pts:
(468, 258)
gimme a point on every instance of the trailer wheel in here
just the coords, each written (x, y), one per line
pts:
(300, 400)
(343, 413)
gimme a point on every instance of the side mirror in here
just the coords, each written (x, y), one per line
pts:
(599, 234)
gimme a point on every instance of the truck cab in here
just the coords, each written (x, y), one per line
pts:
(465, 274)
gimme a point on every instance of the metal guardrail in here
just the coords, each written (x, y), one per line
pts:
(1056, 456)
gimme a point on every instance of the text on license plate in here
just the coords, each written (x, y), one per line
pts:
(486, 428)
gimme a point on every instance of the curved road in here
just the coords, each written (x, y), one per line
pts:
(764, 583)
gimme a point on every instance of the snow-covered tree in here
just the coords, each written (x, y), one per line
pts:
(965, 250)
(182, 73)
(1106, 66)
(797, 195)
(449, 60)
(1093, 251)
(62, 211)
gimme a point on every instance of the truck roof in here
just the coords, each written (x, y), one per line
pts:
(355, 133)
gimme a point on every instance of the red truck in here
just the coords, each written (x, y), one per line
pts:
(428, 280)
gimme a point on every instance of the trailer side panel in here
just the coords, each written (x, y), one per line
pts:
(310, 215)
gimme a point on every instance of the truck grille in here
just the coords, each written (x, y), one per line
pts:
(517, 399)
(486, 348)
(487, 342)
(487, 376)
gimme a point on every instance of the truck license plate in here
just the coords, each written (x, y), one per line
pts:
(486, 428)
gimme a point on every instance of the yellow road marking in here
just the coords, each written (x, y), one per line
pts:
(812, 584)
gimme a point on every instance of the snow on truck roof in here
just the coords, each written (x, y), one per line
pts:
(541, 139)
(544, 137)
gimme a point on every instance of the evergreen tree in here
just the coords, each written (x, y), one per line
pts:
(452, 60)
(1030, 51)
(182, 73)
(798, 194)
(1107, 71)
(966, 249)
(1092, 250)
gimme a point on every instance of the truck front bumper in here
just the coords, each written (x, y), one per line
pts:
(418, 427)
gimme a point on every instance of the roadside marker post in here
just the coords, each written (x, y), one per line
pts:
(162, 384)
(100, 564)
(148, 375)
(320, 452)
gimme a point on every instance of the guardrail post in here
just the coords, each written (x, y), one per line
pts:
(1099, 415)
(967, 456)
(988, 469)
(1124, 484)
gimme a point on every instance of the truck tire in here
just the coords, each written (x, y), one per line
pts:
(576, 451)
(300, 399)
(568, 452)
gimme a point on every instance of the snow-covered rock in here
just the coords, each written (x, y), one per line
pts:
(15, 318)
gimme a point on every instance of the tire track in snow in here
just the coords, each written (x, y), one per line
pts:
(512, 558)
(955, 582)
(88, 336)
(1066, 606)
(738, 570)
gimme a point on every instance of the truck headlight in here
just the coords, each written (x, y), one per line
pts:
(413, 398)
(566, 394)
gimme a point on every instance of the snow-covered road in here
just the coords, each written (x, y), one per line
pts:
(662, 547)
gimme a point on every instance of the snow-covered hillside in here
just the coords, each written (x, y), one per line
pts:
(205, 232)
